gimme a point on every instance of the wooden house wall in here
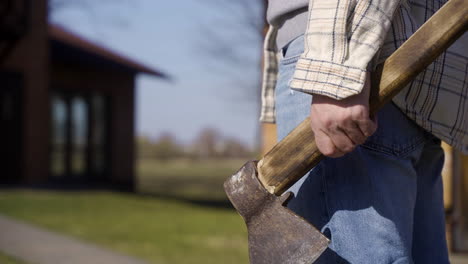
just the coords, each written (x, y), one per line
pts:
(29, 58)
(119, 88)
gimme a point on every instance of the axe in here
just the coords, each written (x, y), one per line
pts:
(276, 234)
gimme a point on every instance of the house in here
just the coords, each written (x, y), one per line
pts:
(67, 105)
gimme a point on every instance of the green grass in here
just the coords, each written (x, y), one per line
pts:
(4, 259)
(169, 226)
(158, 230)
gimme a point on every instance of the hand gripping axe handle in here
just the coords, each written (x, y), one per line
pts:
(276, 235)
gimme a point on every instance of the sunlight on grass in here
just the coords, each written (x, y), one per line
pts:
(158, 230)
(181, 216)
(4, 259)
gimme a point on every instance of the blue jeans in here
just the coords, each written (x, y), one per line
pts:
(383, 202)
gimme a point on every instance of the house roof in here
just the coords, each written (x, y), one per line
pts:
(67, 46)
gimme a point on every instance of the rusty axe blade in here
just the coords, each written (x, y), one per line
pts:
(276, 235)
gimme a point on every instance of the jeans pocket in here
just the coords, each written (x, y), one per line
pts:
(396, 135)
(291, 52)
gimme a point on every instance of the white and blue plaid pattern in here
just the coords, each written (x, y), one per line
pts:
(345, 38)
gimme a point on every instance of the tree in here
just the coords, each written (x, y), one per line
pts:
(90, 8)
(233, 148)
(166, 147)
(144, 147)
(207, 144)
(243, 27)
(55, 5)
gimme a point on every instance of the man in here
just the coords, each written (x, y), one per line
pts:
(378, 195)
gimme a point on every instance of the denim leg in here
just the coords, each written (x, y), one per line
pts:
(292, 107)
(429, 243)
(371, 202)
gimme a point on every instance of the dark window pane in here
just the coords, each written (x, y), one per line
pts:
(99, 134)
(59, 134)
(79, 126)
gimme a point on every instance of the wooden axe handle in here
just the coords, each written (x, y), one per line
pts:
(297, 153)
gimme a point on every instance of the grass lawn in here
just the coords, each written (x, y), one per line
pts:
(188, 223)
(4, 259)
(181, 219)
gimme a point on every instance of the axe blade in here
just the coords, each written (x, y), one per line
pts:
(276, 234)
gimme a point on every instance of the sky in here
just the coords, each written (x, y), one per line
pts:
(210, 53)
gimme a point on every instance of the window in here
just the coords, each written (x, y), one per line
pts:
(79, 136)
(99, 135)
(59, 134)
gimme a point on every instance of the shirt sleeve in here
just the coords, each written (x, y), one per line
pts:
(341, 39)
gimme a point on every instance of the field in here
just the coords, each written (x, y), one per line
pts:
(4, 259)
(180, 214)
(185, 179)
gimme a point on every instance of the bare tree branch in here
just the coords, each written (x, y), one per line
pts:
(240, 24)
(55, 5)
(89, 7)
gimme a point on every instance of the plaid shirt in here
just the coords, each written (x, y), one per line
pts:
(345, 38)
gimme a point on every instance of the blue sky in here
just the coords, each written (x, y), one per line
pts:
(176, 37)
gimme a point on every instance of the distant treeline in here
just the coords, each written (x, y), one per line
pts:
(208, 144)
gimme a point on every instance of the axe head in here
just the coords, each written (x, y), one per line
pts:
(276, 234)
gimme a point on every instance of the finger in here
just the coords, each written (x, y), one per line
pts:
(375, 118)
(326, 146)
(367, 126)
(354, 133)
(341, 140)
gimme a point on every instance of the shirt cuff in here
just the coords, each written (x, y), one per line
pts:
(327, 78)
(267, 117)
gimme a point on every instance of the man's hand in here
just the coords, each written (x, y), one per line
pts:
(339, 126)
